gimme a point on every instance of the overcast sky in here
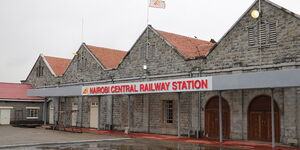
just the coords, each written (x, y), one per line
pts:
(53, 27)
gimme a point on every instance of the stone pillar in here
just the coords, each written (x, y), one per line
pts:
(290, 116)
(80, 100)
(45, 112)
(146, 113)
(109, 110)
(178, 116)
(99, 112)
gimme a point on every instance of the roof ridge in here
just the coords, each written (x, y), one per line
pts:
(283, 8)
(58, 57)
(183, 35)
(106, 48)
(14, 83)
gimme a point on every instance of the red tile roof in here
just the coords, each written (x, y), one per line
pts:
(188, 47)
(16, 91)
(109, 58)
(58, 65)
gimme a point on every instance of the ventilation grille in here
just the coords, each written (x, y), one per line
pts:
(272, 32)
(264, 33)
(251, 36)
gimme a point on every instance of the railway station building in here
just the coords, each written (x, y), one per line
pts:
(246, 86)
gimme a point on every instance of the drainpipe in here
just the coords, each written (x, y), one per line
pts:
(199, 111)
(190, 113)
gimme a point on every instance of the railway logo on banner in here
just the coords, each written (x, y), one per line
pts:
(164, 86)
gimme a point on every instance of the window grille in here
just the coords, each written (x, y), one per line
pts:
(251, 36)
(262, 33)
(32, 113)
(168, 107)
(272, 32)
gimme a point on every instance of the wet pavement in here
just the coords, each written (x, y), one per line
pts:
(132, 144)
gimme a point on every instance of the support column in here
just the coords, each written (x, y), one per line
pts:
(220, 117)
(99, 112)
(273, 119)
(65, 112)
(45, 112)
(199, 115)
(128, 112)
(178, 116)
(190, 110)
(112, 112)
(81, 110)
(58, 111)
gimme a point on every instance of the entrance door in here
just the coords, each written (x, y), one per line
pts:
(51, 113)
(74, 113)
(260, 121)
(5, 116)
(212, 118)
(94, 115)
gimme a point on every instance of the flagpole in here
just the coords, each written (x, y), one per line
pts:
(147, 44)
(148, 2)
(82, 22)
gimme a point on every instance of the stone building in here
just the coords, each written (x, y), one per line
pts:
(254, 66)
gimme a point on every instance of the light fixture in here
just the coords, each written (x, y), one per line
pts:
(255, 14)
(145, 67)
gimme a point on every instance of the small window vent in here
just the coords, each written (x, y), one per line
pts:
(262, 33)
(272, 32)
(251, 36)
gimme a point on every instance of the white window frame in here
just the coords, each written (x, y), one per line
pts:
(29, 111)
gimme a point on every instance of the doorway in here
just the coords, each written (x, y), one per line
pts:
(212, 118)
(260, 121)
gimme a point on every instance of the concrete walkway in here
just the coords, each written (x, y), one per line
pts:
(15, 136)
(229, 144)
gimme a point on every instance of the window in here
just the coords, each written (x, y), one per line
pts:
(39, 70)
(168, 111)
(262, 34)
(32, 112)
(94, 104)
(251, 36)
(272, 32)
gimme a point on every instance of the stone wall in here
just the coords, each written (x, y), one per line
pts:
(232, 55)
(47, 79)
(21, 107)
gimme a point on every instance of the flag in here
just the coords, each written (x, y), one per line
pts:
(157, 4)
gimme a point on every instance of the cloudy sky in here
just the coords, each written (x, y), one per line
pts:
(54, 27)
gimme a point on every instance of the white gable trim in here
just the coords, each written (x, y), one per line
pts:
(48, 65)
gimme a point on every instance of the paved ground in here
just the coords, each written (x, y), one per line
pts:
(17, 136)
(40, 138)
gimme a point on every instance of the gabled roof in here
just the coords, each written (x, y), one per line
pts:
(188, 47)
(16, 91)
(109, 58)
(58, 65)
(250, 8)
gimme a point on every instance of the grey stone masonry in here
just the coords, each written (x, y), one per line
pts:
(41, 81)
